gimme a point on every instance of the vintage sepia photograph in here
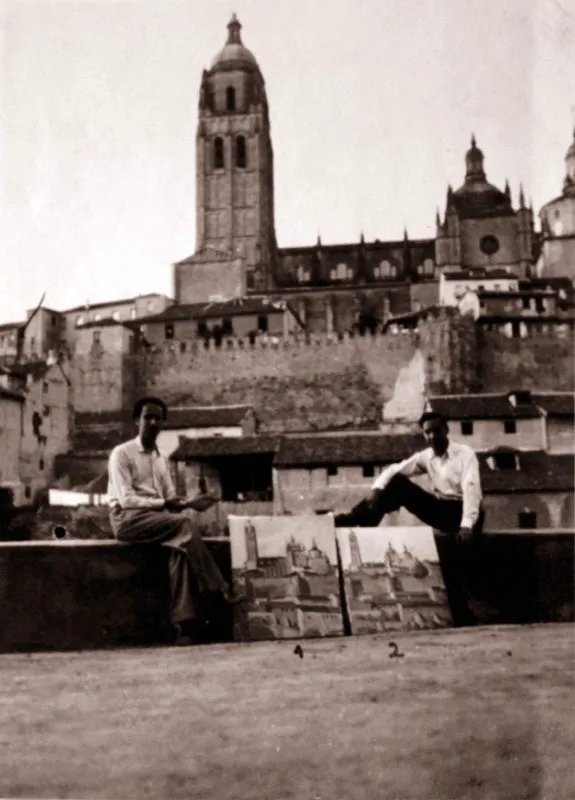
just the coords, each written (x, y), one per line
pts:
(287, 399)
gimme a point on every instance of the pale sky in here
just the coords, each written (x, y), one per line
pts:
(273, 533)
(373, 543)
(372, 106)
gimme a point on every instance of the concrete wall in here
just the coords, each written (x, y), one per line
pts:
(553, 509)
(537, 362)
(560, 435)
(10, 433)
(47, 428)
(490, 433)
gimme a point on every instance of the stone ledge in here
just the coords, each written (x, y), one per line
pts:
(78, 594)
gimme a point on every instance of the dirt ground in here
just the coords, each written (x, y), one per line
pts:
(483, 713)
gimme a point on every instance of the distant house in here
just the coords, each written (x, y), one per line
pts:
(11, 412)
(522, 420)
(454, 285)
(242, 317)
(196, 422)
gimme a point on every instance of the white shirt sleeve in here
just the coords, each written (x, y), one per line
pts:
(121, 482)
(414, 465)
(471, 490)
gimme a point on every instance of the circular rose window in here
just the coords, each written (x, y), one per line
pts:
(489, 245)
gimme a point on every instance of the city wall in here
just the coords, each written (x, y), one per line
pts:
(326, 381)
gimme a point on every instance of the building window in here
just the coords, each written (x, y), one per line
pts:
(241, 152)
(116, 316)
(527, 519)
(45, 387)
(97, 317)
(96, 337)
(169, 331)
(41, 464)
(505, 461)
(230, 99)
(227, 326)
(263, 324)
(331, 470)
(489, 245)
(467, 428)
(27, 492)
(202, 329)
(133, 313)
(218, 153)
(526, 303)
(510, 426)
(46, 411)
(53, 320)
(368, 471)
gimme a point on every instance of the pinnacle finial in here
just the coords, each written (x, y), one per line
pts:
(521, 196)
(234, 28)
(405, 235)
(473, 140)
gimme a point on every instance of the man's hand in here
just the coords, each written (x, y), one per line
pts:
(464, 536)
(176, 504)
(201, 502)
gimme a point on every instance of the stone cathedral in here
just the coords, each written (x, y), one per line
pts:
(330, 287)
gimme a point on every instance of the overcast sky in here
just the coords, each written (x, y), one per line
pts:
(372, 107)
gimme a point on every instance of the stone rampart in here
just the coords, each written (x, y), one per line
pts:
(326, 381)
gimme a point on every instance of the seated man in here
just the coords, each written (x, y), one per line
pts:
(144, 507)
(454, 506)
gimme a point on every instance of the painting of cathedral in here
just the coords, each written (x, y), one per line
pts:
(286, 568)
(393, 580)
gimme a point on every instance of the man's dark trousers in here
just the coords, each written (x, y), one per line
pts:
(460, 563)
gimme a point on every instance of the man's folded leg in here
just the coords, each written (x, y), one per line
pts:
(400, 492)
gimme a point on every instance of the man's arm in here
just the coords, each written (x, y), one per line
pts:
(414, 465)
(121, 480)
(471, 489)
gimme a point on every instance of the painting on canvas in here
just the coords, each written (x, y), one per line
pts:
(393, 579)
(286, 567)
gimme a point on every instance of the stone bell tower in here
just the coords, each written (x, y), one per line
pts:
(235, 227)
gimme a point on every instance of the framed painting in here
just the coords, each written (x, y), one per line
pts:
(392, 579)
(286, 567)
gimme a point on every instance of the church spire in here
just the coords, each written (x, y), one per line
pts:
(234, 28)
(474, 163)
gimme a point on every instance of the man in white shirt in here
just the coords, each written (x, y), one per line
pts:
(454, 504)
(144, 507)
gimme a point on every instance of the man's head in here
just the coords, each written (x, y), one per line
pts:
(435, 430)
(149, 414)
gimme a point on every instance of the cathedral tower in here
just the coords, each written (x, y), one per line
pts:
(234, 173)
(558, 227)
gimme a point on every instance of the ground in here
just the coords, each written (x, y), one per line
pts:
(480, 713)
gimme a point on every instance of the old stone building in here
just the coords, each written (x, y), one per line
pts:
(335, 287)
(558, 226)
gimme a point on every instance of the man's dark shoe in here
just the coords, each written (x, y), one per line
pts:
(344, 521)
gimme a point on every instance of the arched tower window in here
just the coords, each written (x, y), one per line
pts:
(230, 99)
(241, 160)
(218, 153)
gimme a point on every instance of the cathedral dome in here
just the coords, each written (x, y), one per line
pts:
(477, 197)
(234, 53)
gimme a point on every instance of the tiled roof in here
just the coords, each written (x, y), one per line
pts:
(206, 416)
(226, 308)
(11, 326)
(346, 449)
(218, 446)
(9, 395)
(479, 274)
(107, 322)
(481, 406)
(109, 303)
(556, 404)
(538, 472)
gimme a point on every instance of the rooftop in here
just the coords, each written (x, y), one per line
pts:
(207, 416)
(346, 449)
